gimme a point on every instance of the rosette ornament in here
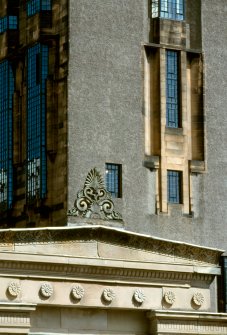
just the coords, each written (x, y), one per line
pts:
(108, 294)
(14, 289)
(77, 292)
(46, 290)
(139, 296)
(169, 297)
(198, 299)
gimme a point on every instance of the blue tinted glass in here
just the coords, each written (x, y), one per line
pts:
(174, 186)
(3, 24)
(35, 6)
(37, 72)
(113, 179)
(12, 21)
(6, 135)
(46, 4)
(172, 94)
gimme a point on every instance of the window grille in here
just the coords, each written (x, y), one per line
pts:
(36, 6)
(6, 134)
(37, 72)
(113, 179)
(174, 186)
(8, 22)
(172, 89)
(168, 9)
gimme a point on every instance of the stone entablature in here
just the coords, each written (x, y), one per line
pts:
(173, 322)
(98, 267)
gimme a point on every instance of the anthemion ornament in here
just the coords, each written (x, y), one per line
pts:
(108, 294)
(94, 201)
(14, 289)
(139, 296)
(46, 290)
(77, 292)
(198, 299)
(169, 297)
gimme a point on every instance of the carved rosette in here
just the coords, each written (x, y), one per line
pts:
(169, 297)
(14, 289)
(94, 201)
(108, 294)
(77, 292)
(139, 296)
(198, 299)
(46, 290)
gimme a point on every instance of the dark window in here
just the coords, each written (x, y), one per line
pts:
(8, 22)
(174, 180)
(36, 6)
(223, 286)
(36, 120)
(113, 179)
(172, 89)
(168, 9)
(6, 136)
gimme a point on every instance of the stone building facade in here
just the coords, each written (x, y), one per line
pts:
(113, 174)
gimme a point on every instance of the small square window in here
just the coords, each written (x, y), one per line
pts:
(113, 179)
(174, 181)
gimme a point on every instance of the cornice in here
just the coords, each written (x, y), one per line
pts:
(115, 236)
(101, 269)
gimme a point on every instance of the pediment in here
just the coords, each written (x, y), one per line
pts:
(105, 243)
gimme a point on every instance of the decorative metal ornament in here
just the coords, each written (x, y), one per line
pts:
(14, 289)
(139, 296)
(108, 294)
(169, 297)
(94, 201)
(46, 290)
(77, 292)
(198, 299)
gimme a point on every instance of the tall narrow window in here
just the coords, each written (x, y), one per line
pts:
(174, 180)
(6, 134)
(172, 89)
(113, 179)
(36, 6)
(168, 9)
(36, 120)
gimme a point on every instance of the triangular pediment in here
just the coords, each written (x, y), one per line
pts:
(105, 243)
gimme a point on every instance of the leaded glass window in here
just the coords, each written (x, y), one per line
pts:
(168, 9)
(113, 179)
(6, 135)
(37, 72)
(174, 186)
(8, 22)
(172, 89)
(36, 6)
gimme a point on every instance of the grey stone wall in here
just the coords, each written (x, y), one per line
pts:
(106, 122)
